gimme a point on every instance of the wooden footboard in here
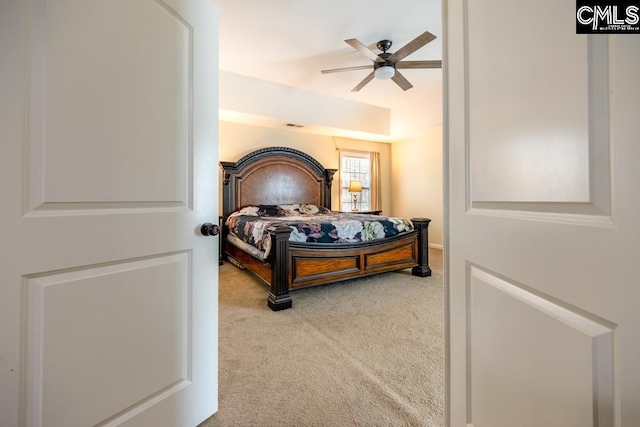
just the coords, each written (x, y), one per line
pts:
(297, 265)
(313, 266)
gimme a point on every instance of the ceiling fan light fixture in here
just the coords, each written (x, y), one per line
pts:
(385, 72)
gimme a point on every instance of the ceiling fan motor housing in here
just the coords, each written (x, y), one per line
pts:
(384, 56)
(379, 64)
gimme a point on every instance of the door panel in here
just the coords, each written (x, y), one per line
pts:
(113, 302)
(541, 278)
(527, 145)
(568, 356)
(141, 51)
(109, 291)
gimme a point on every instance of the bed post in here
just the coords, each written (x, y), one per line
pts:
(328, 174)
(223, 238)
(422, 225)
(279, 298)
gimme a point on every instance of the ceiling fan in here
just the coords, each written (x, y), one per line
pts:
(386, 65)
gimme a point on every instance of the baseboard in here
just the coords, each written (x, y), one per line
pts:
(436, 246)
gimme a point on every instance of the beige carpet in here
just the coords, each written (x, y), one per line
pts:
(367, 352)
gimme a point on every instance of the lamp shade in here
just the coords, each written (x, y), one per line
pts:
(355, 186)
(385, 72)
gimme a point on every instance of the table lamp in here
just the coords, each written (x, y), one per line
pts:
(355, 187)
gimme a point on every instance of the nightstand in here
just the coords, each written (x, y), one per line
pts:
(364, 212)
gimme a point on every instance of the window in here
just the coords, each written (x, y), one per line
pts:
(355, 166)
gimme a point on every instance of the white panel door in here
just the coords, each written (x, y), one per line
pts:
(108, 167)
(543, 232)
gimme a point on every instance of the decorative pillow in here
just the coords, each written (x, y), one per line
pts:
(269, 210)
(282, 210)
(303, 209)
(260, 210)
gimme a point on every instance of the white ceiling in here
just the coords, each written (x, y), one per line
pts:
(290, 41)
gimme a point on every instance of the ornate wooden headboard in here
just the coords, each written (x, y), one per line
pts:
(272, 176)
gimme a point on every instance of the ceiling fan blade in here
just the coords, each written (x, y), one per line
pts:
(364, 82)
(419, 64)
(357, 45)
(401, 81)
(338, 70)
(412, 46)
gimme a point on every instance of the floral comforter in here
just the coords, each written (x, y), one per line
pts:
(310, 223)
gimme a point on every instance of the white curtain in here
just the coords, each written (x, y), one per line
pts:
(376, 194)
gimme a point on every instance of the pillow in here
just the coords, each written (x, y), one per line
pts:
(260, 210)
(296, 209)
(303, 209)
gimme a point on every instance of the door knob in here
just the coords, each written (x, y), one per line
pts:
(209, 229)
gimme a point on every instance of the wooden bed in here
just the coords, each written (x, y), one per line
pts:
(280, 175)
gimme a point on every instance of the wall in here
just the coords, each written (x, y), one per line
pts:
(237, 140)
(417, 181)
(285, 104)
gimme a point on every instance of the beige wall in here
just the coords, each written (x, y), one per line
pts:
(237, 140)
(416, 177)
(253, 97)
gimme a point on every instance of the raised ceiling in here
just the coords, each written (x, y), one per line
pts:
(290, 41)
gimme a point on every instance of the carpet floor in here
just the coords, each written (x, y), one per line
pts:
(366, 352)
